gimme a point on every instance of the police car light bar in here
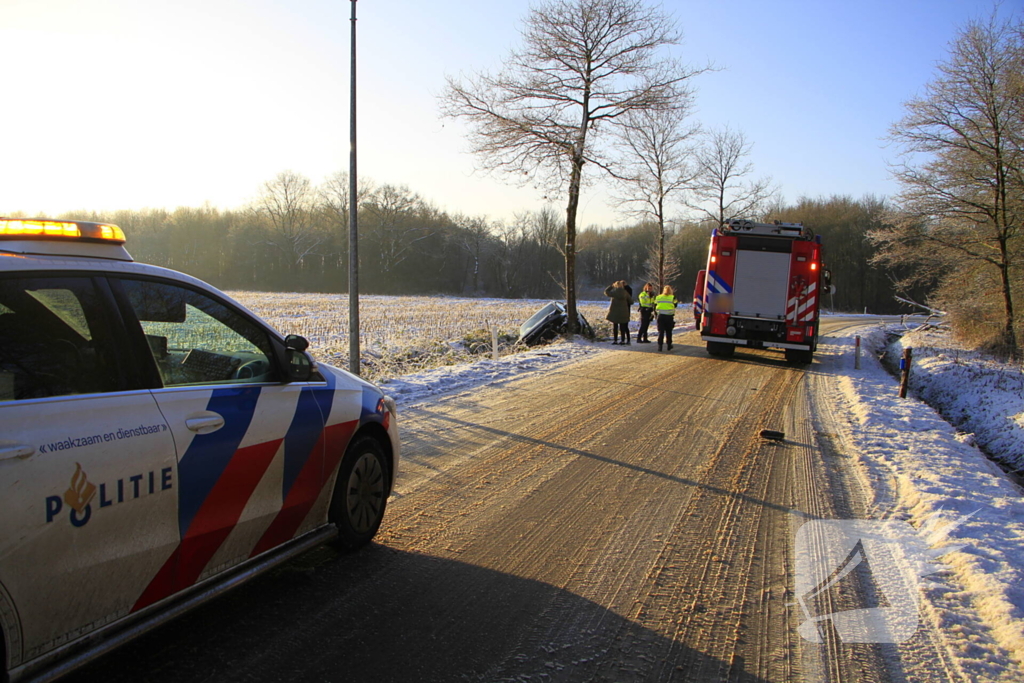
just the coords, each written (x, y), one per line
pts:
(34, 229)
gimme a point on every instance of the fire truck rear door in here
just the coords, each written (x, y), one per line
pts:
(761, 284)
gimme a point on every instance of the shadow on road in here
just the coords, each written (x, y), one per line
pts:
(387, 615)
(430, 444)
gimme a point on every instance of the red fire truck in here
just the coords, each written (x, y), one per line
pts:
(762, 288)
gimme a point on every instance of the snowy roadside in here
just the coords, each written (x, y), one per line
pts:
(417, 387)
(915, 467)
(982, 398)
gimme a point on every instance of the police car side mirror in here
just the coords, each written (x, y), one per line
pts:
(300, 365)
(294, 341)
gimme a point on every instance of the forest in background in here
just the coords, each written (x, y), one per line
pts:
(294, 238)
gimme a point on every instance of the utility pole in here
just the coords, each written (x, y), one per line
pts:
(353, 221)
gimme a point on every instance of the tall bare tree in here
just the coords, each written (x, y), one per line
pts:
(961, 202)
(395, 225)
(474, 238)
(287, 202)
(333, 196)
(583, 64)
(656, 167)
(720, 190)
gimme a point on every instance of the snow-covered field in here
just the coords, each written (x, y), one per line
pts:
(402, 334)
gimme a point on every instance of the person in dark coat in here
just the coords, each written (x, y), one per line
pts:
(618, 310)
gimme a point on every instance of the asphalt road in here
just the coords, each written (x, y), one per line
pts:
(619, 519)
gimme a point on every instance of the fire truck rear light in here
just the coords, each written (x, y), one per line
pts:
(714, 259)
(814, 266)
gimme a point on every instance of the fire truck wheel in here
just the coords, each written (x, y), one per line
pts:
(721, 349)
(360, 493)
(798, 357)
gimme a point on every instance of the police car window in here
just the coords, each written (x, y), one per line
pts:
(195, 339)
(64, 304)
(47, 339)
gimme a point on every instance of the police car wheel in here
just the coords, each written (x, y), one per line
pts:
(360, 493)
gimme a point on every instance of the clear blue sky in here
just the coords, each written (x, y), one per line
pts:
(117, 104)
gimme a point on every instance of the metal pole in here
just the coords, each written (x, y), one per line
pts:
(353, 222)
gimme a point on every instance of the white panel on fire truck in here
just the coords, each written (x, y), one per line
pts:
(761, 284)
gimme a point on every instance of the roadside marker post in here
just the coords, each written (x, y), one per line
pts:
(908, 355)
(856, 353)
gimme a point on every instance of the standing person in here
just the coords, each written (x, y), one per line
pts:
(618, 310)
(665, 305)
(647, 295)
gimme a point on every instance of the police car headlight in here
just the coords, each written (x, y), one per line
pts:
(390, 404)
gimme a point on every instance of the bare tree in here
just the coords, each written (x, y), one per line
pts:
(333, 196)
(961, 202)
(287, 202)
(473, 239)
(395, 224)
(720, 191)
(655, 168)
(583, 65)
(511, 251)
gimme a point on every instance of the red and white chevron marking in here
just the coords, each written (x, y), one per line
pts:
(800, 309)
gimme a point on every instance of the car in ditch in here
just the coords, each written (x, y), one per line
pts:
(159, 444)
(549, 322)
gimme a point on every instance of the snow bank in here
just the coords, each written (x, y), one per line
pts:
(409, 389)
(416, 387)
(979, 396)
(914, 467)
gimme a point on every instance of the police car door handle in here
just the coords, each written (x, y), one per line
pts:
(205, 423)
(16, 451)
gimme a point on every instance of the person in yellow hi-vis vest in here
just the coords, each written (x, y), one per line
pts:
(665, 306)
(646, 312)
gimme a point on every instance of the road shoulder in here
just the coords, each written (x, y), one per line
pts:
(901, 461)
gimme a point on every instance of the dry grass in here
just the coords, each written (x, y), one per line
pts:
(402, 334)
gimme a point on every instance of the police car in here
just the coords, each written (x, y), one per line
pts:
(159, 444)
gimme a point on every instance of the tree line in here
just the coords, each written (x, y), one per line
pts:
(293, 237)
